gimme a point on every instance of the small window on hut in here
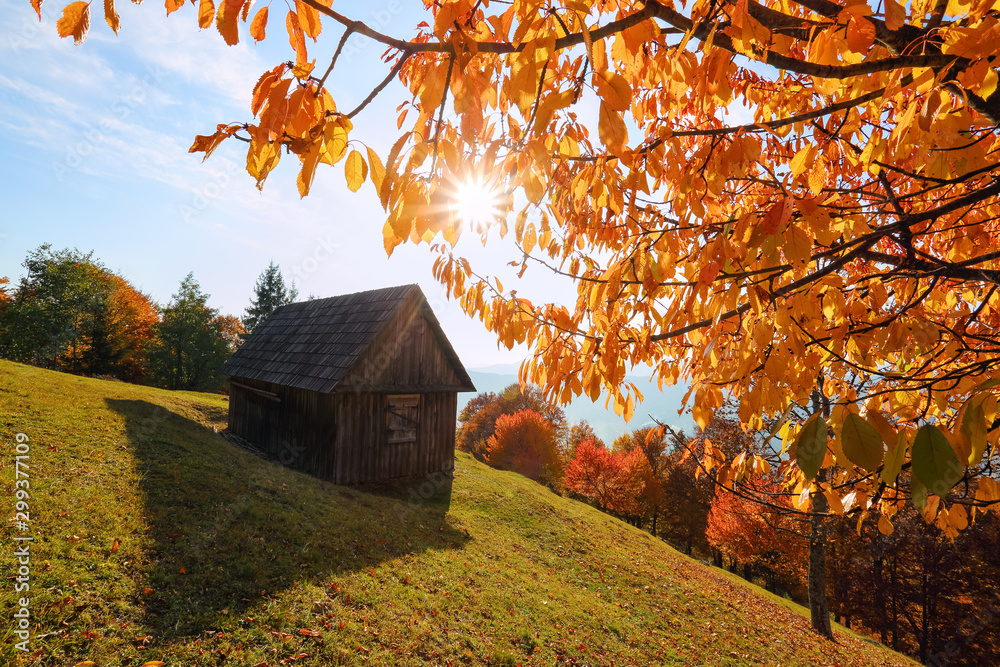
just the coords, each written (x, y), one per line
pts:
(402, 413)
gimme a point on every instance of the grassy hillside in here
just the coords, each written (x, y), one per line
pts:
(156, 539)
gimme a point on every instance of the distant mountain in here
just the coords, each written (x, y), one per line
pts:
(661, 405)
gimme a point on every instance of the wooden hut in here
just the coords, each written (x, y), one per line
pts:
(354, 388)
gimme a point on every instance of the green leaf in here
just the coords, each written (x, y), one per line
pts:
(934, 461)
(862, 444)
(894, 461)
(810, 446)
(918, 493)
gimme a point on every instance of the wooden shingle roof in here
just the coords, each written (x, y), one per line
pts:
(312, 345)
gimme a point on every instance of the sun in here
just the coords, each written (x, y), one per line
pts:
(475, 203)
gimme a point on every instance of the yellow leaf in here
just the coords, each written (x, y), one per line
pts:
(817, 175)
(611, 129)
(259, 24)
(894, 459)
(356, 170)
(206, 12)
(227, 20)
(862, 444)
(75, 21)
(958, 517)
(836, 505)
(377, 169)
(154, 663)
(111, 15)
(85, 663)
(884, 525)
(802, 160)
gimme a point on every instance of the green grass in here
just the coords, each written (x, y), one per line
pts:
(224, 558)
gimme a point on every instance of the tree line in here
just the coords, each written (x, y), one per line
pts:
(71, 313)
(914, 582)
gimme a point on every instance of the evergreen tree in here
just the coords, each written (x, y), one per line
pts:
(269, 294)
(191, 344)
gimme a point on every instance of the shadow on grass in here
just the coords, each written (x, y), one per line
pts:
(229, 529)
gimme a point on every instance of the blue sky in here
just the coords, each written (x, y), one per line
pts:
(95, 140)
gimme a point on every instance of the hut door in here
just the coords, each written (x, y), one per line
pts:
(403, 418)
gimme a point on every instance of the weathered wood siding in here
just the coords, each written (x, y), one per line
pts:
(343, 437)
(364, 452)
(298, 430)
(405, 356)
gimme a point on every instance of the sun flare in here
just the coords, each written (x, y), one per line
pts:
(476, 204)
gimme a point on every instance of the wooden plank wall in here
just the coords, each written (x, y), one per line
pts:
(363, 453)
(298, 430)
(405, 354)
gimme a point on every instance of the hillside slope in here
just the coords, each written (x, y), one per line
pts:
(156, 539)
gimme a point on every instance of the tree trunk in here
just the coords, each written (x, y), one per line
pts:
(819, 606)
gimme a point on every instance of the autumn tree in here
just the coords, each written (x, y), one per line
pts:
(268, 294)
(121, 333)
(595, 473)
(578, 433)
(478, 419)
(54, 307)
(762, 540)
(526, 443)
(773, 199)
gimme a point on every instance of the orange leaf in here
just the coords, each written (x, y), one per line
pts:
(895, 15)
(258, 24)
(183, 570)
(227, 20)
(611, 129)
(777, 216)
(206, 12)
(114, 546)
(614, 89)
(111, 15)
(305, 632)
(154, 663)
(308, 19)
(708, 273)
(75, 21)
(860, 34)
(37, 4)
(173, 5)
(147, 591)
(296, 38)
